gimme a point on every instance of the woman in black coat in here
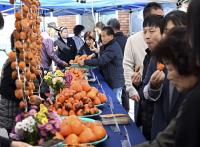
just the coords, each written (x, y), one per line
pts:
(66, 48)
(89, 46)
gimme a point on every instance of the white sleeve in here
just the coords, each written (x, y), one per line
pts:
(128, 65)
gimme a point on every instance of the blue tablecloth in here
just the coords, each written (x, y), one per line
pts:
(115, 138)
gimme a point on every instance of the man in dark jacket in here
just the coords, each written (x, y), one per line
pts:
(110, 62)
(119, 35)
(121, 39)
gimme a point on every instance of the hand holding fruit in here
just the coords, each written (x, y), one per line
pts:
(157, 79)
(81, 63)
(136, 79)
(135, 97)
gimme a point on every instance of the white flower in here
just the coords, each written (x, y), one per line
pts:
(25, 128)
(54, 80)
(30, 130)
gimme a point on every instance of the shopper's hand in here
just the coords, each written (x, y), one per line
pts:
(135, 97)
(94, 50)
(157, 79)
(66, 64)
(19, 144)
(136, 79)
(81, 63)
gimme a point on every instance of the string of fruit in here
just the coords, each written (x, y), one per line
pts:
(26, 56)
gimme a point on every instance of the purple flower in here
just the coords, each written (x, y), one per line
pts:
(57, 125)
(19, 117)
(53, 131)
(48, 127)
(32, 112)
(52, 122)
(43, 133)
(41, 127)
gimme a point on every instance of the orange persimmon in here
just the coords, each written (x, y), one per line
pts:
(72, 139)
(160, 66)
(12, 56)
(99, 132)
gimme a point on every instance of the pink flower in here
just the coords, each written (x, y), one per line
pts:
(19, 118)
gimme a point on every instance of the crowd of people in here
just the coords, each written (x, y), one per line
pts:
(166, 100)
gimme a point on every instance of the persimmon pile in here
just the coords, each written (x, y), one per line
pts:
(74, 131)
(79, 58)
(77, 73)
(79, 99)
(26, 55)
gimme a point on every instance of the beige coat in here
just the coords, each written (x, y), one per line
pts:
(133, 55)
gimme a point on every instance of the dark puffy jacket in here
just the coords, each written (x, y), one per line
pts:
(110, 63)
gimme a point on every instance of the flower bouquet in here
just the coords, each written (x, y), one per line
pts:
(55, 81)
(36, 127)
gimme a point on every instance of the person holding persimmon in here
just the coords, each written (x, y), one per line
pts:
(157, 90)
(109, 62)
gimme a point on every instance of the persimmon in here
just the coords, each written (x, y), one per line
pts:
(92, 111)
(76, 126)
(28, 75)
(30, 55)
(86, 87)
(22, 35)
(96, 101)
(59, 111)
(91, 94)
(12, 56)
(16, 35)
(96, 110)
(25, 8)
(18, 45)
(13, 65)
(71, 112)
(80, 112)
(99, 132)
(78, 96)
(102, 97)
(65, 113)
(95, 90)
(58, 136)
(160, 66)
(24, 23)
(33, 99)
(87, 136)
(19, 84)
(68, 106)
(18, 25)
(65, 129)
(72, 139)
(14, 74)
(19, 93)
(33, 77)
(60, 98)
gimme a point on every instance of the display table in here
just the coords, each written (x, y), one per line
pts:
(115, 138)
